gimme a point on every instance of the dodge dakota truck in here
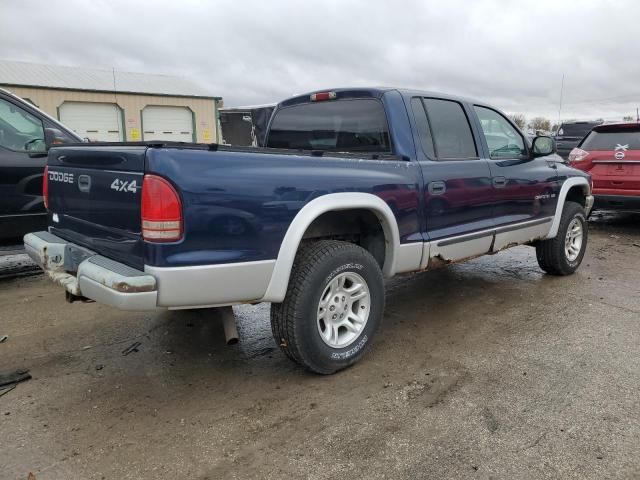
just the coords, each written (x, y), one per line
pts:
(353, 187)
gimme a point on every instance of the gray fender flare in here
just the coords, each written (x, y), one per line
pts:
(331, 202)
(566, 186)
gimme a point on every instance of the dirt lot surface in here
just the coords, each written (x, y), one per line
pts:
(488, 369)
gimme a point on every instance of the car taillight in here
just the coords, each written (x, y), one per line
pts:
(45, 187)
(161, 210)
(577, 154)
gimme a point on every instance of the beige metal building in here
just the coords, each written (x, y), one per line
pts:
(108, 105)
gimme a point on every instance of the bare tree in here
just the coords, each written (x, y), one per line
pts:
(541, 123)
(519, 119)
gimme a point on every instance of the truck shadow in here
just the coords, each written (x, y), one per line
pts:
(618, 222)
(422, 309)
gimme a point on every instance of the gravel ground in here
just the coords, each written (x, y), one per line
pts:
(487, 369)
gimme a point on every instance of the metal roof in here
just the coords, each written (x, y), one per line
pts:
(247, 107)
(77, 78)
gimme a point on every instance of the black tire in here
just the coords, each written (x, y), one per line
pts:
(294, 322)
(551, 254)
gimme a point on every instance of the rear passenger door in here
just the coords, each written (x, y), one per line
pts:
(525, 188)
(457, 190)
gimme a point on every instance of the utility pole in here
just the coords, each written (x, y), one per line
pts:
(637, 115)
(560, 107)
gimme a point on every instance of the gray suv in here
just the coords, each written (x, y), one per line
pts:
(569, 135)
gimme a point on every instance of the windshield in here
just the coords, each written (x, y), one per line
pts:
(356, 125)
(576, 129)
(611, 140)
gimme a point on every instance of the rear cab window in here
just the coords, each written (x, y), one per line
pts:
(577, 129)
(612, 139)
(348, 125)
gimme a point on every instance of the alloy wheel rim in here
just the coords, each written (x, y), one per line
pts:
(343, 310)
(573, 240)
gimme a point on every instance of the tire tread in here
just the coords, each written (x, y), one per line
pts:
(284, 315)
(550, 253)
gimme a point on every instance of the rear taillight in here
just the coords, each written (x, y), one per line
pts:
(45, 187)
(577, 154)
(161, 211)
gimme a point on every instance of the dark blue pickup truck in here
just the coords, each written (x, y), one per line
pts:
(354, 186)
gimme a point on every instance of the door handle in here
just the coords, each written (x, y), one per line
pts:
(437, 188)
(84, 183)
(499, 182)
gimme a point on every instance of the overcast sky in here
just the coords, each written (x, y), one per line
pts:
(509, 53)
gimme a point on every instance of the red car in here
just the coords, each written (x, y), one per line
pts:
(611, 155)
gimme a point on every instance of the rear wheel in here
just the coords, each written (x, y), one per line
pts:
(563, 254)
(333, 307)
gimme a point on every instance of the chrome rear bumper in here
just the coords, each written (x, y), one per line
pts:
(96, 277)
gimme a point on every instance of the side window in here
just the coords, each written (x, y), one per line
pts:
(502, 138)
(422, 127)
(451, 131)
(19, 130)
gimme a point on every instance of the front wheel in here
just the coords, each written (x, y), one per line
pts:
(333, 307)
(563, 254)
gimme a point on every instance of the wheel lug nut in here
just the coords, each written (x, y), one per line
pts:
(332, 308)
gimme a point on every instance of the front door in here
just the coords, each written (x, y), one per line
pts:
(457, 190)
(22, 160)
(525, 188)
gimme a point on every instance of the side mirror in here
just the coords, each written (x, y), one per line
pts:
(543, 146)
(53, 136)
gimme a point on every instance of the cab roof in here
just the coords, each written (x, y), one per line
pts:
(375, 92)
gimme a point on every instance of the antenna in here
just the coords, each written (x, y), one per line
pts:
(560, 107)
(115, 99)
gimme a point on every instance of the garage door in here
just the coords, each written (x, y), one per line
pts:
(96, 121)
(167, 123)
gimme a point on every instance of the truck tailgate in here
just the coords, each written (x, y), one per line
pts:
(94, 195)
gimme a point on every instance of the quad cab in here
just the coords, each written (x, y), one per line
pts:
(354, 187)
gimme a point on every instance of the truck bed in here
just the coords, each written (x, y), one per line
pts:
(237, 201)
